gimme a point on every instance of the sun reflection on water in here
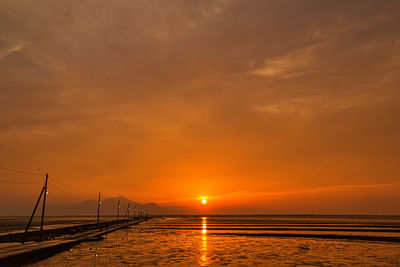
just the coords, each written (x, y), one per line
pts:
(204, 259)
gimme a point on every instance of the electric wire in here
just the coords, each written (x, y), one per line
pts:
(16, 182)
(19, 171)
(59, 189)
(55, 183)
(67, 186)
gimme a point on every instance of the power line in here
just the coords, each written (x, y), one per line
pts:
(14, 182)
(60, 184)
(19, 171)
(67, 186)
(59, 189)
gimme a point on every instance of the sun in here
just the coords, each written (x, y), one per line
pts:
(203, 200)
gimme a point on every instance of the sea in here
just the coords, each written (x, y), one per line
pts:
(273, 240)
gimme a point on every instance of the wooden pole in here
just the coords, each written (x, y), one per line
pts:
(118, 211)
(98, 212)
(44, 205)
(34, 210)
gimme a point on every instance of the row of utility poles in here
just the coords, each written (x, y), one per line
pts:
(137, 212)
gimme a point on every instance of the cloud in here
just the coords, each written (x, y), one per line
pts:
(215, 91)
(334, 188)
(10, 50)
(289, 65)
(308, 107)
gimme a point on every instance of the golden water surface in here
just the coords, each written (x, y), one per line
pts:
(239, 241)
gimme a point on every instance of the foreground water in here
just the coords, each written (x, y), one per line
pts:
(17, 224)
(257, 240)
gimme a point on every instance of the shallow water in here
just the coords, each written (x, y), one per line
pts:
(203, 241)
(15, 224)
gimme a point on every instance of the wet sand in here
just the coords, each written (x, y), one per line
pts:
(215, 241)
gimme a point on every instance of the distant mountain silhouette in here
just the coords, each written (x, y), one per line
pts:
(108, 207)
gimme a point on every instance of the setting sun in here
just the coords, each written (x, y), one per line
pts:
(204, 201)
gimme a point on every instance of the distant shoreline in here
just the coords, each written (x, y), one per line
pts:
(228, 215)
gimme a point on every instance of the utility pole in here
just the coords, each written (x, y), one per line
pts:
(128, 212)
(34, 210)
(44, 205)
(98, 212)
(118, 211)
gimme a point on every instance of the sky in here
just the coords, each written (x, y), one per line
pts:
(272, 106)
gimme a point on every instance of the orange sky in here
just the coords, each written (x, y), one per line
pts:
(263, 106)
